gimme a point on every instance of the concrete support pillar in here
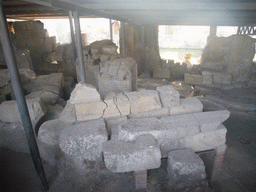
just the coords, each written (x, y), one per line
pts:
(79, 47)
(213, 30)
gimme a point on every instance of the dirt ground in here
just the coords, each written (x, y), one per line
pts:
(238, 171)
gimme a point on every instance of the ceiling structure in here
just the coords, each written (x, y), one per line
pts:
(164, 12)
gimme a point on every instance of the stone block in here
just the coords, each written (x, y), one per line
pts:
(109, 49)
(112, 121)
(171, 145)
(69, 113)
(123, 104)
(144, 100)
(207, 77)
(208, 140)
(179, 126)
(84, 93)
(89, 111)
(168, 96)
(45, 96)
(160, 73)
(187, 105)
(9, 111)
(132, 128)
(193, 78)
(95, 56)
(185, 167)
(111, 110)
(222, 78)
(83, 141)
(125, 156)
(210, 121)
(154, 113)
(49, 44)
(104, 58)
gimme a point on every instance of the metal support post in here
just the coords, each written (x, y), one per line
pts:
(111, 29)
(72, 32)
(143, 47)
(123, 38)
(20, 98)
(79, 46)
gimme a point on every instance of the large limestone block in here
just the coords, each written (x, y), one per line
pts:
(113, 121)
(132, 128)
(179, 126)
(9, 111)
(185, 167)
(207, 77)
(187, 105)
(45, 96)
(69, 113)
(208, 140)
(210, 121)
(111, 110)
(169, 96)
(165, 111)
(144, 100)
(171, 145)
(123, 104)
(83, 141)
(160, 73)
(109, 49)
(126, 156)
(84, 93)
(89, 111)
(193, 78)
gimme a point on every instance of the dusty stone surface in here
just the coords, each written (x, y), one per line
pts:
(108, 49)
(208, 140)
(193, 78)
(111, 110)
(89, 111)
(126, 156)
(179, 126)
(144, 100)
(123, 104)
(169, 96)
(171, 145)
(83, 141)
(132, 128)
(207, 77)
(185, 167)
(164, 111)
(187, 105)
(84, 93)
(112, 121)
(210, 121)
(160, 73)
(222, 78)
(45, 96)
(68, 114)
(9, 111)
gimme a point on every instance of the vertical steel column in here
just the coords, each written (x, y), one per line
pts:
(79, 46)
(72, 32)
(123, 38)
(21, 102)
(111, 30)
(143, 47)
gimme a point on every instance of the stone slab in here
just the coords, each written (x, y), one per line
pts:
(83, 141)
(187, 105)
(164, 111)
(111, 110)
(171, 145)
(193, 78)
(125, 156)
(69, 113)
(169, 96)
(112, 121)
(123, 104)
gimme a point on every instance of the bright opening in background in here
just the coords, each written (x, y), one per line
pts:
(95, 29)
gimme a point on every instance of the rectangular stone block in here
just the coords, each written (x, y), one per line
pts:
(179, 126)
(89, 111)
(125, 156)
(111, 110)
(210, 121)
(208, 140)
(160, 73)
(207, 77)
(169, 96)
(123, 104)
(222, 78)
(154, 113)
(193, 78)
(113, 121)
(144, 100)
(185, 167)
(171, 145)
(132, 128)
(187, 105)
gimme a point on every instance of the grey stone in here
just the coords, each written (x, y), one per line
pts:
(132, 128)
(179, 126)
(144, 100)
(153, 113)
(185, 167)
(83, 141)
(69, 113)
(171, 145)
(193, 78)
(45, 96)
(112, 121)
(111, 110)
(187, 105)
(207, 77)
(208, 140)
(126, 156)
(108, 49)
(210, 121)
(160, 73)
(84, 93)
(169, 96)
(104, 58)
(123, 104)
(222, 78)
(9, 111)
(89, 111)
